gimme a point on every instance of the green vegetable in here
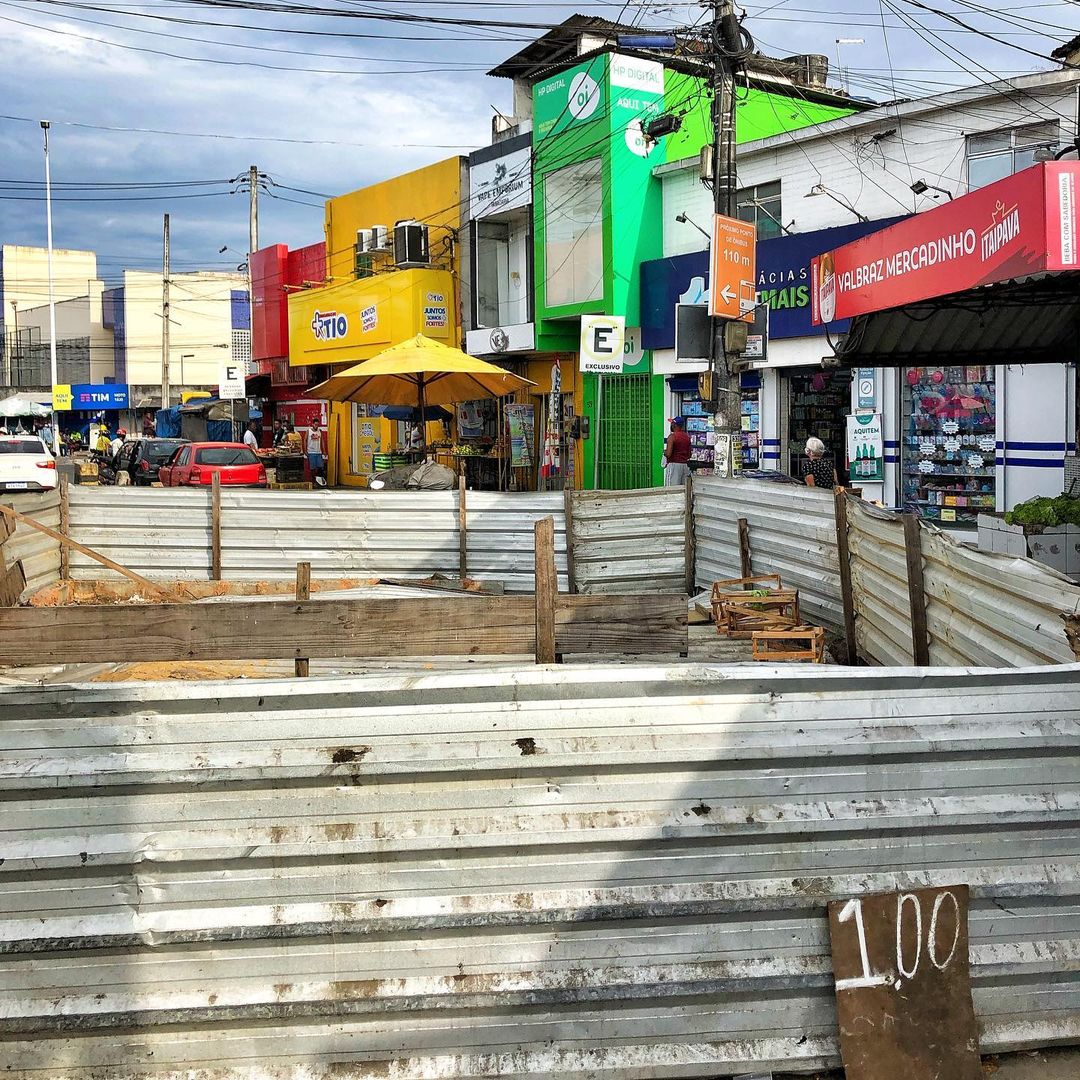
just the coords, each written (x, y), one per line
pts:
(1064, 510)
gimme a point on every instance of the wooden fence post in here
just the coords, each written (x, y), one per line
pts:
(689, 546)
(920, 637)
(568, 517)
(843, 558)
(463, 535)
(745, 562)
(546, 588)
(301, 666)
(65, 528)
(215, 526)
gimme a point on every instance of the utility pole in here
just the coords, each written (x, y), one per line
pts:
(52, 297)
(165, 317)
(253, 246)
(731, 45)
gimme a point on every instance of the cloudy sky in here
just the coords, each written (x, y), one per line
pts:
(171, 92)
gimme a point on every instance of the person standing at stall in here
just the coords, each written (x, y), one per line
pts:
(315, 453)
(677, 455)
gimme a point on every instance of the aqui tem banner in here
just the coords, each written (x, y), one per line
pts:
(1023, 225)
(99, 396)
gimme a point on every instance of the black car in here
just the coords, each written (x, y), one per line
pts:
(141, 458)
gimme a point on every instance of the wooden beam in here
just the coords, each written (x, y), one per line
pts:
(142, 582)
(568, 515)
(634, 625)
(843, 555)
(12, 583)
(463, 531)
(65, 527)
(920, 636)
(302, 665)
(745, 562)
(215, 526)
(269, 630)
(546, 590)
(689, 546)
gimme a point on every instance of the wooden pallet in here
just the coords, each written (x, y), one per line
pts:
(805, 643)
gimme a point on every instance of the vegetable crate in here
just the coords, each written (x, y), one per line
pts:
(806, 643)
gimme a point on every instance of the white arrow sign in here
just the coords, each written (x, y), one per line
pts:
(727, 294)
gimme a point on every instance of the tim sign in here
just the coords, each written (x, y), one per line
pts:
(1025, 224)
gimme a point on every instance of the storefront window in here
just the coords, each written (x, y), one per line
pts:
(574, 234)
(949, 443)
(750, 434)
(818, 403)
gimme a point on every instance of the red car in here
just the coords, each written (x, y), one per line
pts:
(194, 465)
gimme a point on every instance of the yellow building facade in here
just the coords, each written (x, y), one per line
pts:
(371, 303)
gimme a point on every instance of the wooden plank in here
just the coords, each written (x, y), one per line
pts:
(634, 625)
(302, 665)
(571, 542)
(847, 595)
(920, 636)
(545, 590)
(215, 526)
(690, 549)
(269, 630)
(14, 515)
(12, 583)
(463, 535)
(745, 562)
(65, 527)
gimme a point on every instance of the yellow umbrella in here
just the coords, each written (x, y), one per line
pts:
(419, 372)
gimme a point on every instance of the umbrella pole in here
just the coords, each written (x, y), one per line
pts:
(423, 418)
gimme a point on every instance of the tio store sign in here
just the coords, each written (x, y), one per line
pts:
(1023, 225)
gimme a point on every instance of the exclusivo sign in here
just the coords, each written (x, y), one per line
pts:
(1025, 224)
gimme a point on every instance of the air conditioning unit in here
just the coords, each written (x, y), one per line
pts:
(411, 244)
(380, 240)
(363, 239)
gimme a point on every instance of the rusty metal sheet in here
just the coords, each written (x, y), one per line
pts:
(903, 985)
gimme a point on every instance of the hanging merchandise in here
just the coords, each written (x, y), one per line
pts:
(551, 463)
(519, 419)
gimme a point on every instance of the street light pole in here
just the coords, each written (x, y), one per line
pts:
(52, 298)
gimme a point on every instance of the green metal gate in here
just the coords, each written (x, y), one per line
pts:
(625, 422)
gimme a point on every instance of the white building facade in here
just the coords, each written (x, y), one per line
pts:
(859, 174)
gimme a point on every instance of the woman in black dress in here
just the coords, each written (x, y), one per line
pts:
(819, 472)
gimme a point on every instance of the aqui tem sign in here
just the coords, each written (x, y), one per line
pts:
(732, 277)
(602, 340)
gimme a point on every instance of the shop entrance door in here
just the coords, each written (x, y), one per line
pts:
(625, 422)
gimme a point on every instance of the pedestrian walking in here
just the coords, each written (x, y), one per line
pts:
(677, 455)
(819, 472)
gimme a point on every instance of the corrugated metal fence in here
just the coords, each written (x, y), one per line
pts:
(629, 541)
(38, 553)
(792, 533)
(606, 871)
(166, 533)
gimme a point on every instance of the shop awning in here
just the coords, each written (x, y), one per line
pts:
(993, 274)
(1014, 322)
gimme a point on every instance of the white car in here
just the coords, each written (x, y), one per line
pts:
(26, 464)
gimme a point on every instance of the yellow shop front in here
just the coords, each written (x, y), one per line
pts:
(347, 323)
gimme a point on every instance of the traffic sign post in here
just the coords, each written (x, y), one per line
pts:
(732, 274)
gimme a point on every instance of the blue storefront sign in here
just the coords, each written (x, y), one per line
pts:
(783, 282)
(99, 397)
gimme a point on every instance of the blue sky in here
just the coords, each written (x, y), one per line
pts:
(357, 109)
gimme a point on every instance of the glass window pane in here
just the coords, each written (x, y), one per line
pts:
(492, 243)
(574, 234)
(1022, 159)
(1037, 135)
(993, 140)
(985, 170)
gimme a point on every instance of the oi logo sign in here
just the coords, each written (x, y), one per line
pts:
(583, 96)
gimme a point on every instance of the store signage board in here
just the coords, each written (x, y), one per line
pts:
(504, 183)
(866, 387)
(903, 985)
(99, 396)
(1022, 225)
(602, 341)
(865, 448)
(231, 382)
(732, 275)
